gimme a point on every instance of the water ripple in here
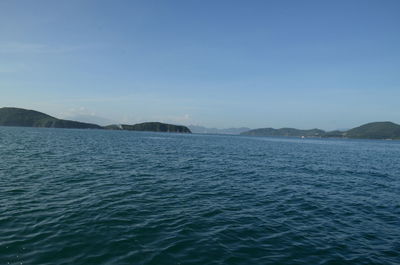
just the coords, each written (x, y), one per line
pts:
(105, 197)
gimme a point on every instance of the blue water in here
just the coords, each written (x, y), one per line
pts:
(114, 197)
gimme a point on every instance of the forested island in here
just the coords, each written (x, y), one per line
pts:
(374, 130)
(150, 126)
(31, 118)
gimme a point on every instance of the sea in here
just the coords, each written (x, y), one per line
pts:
(117, 197)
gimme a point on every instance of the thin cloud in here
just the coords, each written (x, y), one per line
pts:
(80, 111)
(177, 119)
(25, 47)
(184, 118)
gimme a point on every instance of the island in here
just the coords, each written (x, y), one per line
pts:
(150, 127)
(31, 118)
(374, 130)
(291, 132)
(10, 116)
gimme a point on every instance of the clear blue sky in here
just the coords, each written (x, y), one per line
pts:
(220, 63)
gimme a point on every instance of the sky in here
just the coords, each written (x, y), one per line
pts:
(217, 63)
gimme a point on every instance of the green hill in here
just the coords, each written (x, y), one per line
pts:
(285, 132)
(32, 118)
(334, 134)
(150, 127)
(375, 130)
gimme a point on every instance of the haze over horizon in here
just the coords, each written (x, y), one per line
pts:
(302, 64)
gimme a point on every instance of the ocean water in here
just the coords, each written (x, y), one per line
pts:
(113, 197)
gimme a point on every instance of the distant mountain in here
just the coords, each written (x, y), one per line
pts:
(32, 118)
(201, 129)
(375, 130)
(150, 127)
(285, 132)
